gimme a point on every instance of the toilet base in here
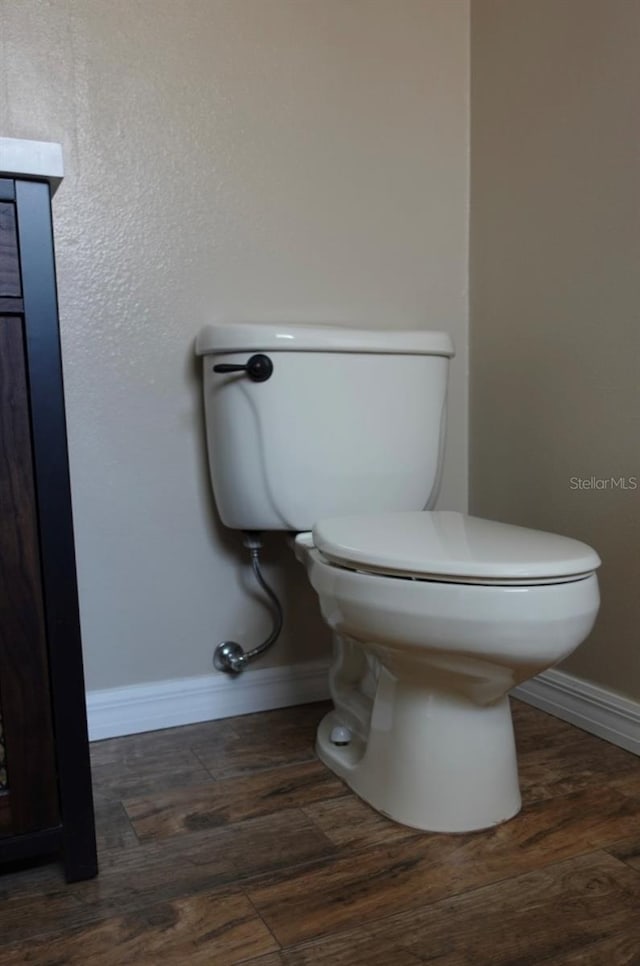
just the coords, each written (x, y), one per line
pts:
(434, 761)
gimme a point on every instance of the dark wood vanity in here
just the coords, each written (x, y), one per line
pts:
(46, 804)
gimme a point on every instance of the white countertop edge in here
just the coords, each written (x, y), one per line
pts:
(32, 159)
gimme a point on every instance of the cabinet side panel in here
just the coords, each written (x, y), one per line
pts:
(3, 758)
(57, 555)
(5, 810)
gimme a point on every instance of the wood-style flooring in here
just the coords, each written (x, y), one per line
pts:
(228, 842)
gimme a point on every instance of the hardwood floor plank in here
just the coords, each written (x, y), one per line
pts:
(628, 783)
(202, 929)
(231, 800)
(349, 822)
(174, 868)
(273, 959)
(560, 914)
(29, 881)
(227, 853)
(113, 828)
(166, 741)
(627, 850)
(135, 768)
(353, 948)
(267, 740)
(573, 761)
(31, 914)
(535, 729)
(620, 950)
(347, 890)
(528, 919)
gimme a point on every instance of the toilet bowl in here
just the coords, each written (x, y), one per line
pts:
(338, 434)
(436, 617)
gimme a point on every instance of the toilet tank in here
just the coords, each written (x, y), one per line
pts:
(350, 421)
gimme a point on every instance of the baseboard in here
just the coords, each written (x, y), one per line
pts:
(166, 704)
(594, 709)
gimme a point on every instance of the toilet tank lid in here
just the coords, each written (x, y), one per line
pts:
(453, 545)
(299, 337)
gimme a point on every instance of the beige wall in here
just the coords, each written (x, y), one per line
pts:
(277, 159)
(555, 290)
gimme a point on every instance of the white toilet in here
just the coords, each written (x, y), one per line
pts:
(337, 435)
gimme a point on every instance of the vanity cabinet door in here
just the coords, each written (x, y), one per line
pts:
(30, 801)
(46, 803)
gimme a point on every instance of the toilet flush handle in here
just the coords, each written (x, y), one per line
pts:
(259, 367)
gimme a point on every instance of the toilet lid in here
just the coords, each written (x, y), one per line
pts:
(451, 545)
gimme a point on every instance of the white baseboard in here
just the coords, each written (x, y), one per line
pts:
(167, 704)
(594, 709)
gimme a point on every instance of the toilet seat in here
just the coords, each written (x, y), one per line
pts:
(451, 547)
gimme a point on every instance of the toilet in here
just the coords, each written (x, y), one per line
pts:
(337, 435)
